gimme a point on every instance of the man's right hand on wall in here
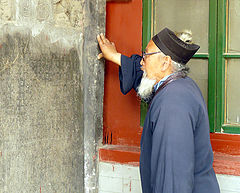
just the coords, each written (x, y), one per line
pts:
(109, 51)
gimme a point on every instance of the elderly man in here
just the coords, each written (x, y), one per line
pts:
(176, 154)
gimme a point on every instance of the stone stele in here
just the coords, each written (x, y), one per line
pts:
(51, 95)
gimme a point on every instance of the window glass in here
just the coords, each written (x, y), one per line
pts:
(199, 73)
(178, 15)
(232, 91)
(234, 26)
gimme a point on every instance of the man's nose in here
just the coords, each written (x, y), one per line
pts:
(141, 62)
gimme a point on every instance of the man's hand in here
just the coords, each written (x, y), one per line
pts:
(109, 51)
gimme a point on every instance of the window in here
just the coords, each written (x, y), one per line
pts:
(216, 65)
(228, 57)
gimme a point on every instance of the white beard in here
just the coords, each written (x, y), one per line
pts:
(146, 87)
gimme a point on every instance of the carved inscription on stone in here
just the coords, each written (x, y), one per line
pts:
(43, 10)
(5, 10)
(41, 117)
(25, 8)
(68, 13)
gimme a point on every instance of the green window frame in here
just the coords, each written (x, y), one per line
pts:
(222, 55)
(216, 62)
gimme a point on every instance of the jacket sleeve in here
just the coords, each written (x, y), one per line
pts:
(130, 73)
(172, 156)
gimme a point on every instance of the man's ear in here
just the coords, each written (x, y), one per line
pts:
(166, 63)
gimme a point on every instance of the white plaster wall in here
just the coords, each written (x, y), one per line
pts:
(229, 184)
(117, 178)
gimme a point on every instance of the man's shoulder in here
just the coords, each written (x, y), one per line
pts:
(183, 87)
(181, 92)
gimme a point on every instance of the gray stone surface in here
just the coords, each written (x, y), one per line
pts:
(51, 95)
(93, 91)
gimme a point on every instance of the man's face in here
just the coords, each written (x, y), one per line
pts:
(152, 64)
(155, 66)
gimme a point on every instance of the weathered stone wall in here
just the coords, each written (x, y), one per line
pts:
(51, 92)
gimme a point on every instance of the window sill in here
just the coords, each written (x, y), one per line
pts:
(226, 149)
(226, 164)
(226, 154)
(120, 154)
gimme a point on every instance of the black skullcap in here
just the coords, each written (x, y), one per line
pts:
(172, 46)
